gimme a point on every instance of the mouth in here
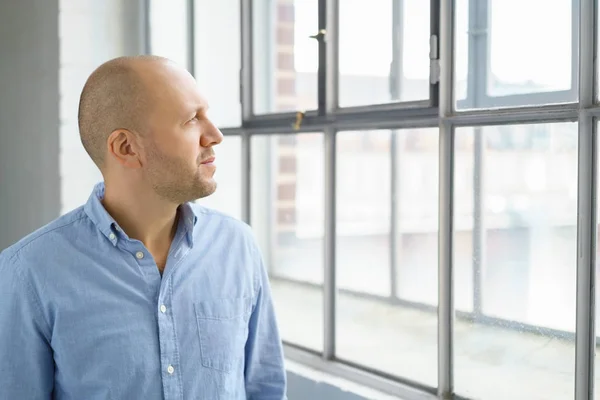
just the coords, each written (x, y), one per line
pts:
(209, 160)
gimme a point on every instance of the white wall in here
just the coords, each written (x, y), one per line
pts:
(90, 32)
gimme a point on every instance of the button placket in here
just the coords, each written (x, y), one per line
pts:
(167, 338)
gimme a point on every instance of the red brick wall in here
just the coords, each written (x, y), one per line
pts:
(286, 74)
(286, 101)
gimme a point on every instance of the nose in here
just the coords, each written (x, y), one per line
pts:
(211, 135)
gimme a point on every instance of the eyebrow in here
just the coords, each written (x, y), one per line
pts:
(191, 110)
(202, 107)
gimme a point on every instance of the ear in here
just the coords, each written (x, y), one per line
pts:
(124, 148)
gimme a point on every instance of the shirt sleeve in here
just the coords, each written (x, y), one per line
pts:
(26, 361)
(264, 371)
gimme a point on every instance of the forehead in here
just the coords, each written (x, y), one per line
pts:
(174, 92)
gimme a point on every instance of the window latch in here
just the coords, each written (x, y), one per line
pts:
(299, 118)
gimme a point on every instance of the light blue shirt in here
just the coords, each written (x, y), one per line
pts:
(86, 315)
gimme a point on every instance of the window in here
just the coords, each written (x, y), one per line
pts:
(228, 196)
(217, 51)
(506, 58)
(506, 243)
(168, 30)
(515, 259)
(376, 285)
(287, 217)
(375, 68)
(285, 57)
(416, 194)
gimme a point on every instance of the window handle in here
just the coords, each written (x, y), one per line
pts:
(319, 35)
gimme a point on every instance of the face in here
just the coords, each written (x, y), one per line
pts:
(179, 157)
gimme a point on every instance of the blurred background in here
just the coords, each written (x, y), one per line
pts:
(344, 197)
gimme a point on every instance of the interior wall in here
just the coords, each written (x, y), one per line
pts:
(91, 32)
(29, 117)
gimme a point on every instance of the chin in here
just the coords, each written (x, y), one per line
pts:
(206, 188)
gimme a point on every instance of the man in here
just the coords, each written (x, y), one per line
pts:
(140, 294)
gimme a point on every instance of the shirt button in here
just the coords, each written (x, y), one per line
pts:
(170, 369)
(139, 255)
(112, 236)
(163, 309)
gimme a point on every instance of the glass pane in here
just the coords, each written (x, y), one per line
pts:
(512, 38)
(371, 321)
(503, 56)
(461, 49)
(285, 59)
(228, 196)
(517, 224)
(373, 68)
(363, 211)
(218, 58)
(168, 30)
(287, 218)
(463, 222)
(417, 163)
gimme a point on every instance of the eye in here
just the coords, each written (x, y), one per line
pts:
(194, 119)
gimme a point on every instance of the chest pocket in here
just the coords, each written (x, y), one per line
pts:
(223, 330)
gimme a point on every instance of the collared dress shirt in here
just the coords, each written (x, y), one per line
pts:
(86, 315)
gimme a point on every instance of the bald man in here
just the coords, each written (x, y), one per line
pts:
(139, 293)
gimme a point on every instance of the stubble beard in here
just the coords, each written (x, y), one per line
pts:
(183, 190)
(172, 180)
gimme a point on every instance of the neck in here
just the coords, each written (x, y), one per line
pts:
(141, 214)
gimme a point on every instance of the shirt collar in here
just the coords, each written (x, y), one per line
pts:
(109, 227)
(187, 221)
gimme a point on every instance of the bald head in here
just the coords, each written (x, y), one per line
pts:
(115, 96)
(143, 120)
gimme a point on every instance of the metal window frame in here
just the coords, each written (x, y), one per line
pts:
(246, 72)
(446, 205)
(479, 66)
(325, 87)
(191, 36)
(439, 111)
(144, 27)
(585, 341)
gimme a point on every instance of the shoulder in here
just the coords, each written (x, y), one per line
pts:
(44, 241)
